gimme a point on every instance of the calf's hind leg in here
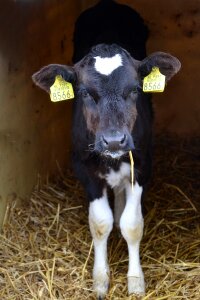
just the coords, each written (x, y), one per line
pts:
(119, 204)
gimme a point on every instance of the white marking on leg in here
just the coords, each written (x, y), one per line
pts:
(106, 65)
(131, 224)
(119, 194)
(101, 223)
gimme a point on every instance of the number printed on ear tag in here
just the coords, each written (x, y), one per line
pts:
(154, 82)
(61, 90)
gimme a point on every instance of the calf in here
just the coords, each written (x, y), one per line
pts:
(112, 116)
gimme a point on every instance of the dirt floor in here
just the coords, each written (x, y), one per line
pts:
(46, 248)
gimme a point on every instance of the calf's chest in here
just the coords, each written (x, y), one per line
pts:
(117, 178)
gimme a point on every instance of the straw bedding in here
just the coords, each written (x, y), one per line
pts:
(46, 249)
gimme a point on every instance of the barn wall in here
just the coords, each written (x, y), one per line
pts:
(34, 133)
(175, 28)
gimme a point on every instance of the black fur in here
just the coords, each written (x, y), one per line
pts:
(109, 22)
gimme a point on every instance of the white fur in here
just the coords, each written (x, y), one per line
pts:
(106, 65)
(117, 154)
(101, 222)
(131, 224)
(128, 215)
(117, 178)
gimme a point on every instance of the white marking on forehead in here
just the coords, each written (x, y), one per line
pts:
(106, 65)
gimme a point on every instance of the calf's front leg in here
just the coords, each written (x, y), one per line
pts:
(131, 224)
(101, 223)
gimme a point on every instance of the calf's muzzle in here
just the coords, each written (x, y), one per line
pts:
(115, 143)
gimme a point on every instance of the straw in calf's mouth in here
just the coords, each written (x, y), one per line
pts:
(132, 168)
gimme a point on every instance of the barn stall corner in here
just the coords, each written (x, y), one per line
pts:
(46, 250)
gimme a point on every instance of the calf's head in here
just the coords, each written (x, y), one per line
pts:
(108, 88)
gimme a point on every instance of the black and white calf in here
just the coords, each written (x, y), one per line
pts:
(112, 116)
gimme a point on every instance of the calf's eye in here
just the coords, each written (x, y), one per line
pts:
(85, 93)
(134, 90)
(133, 93)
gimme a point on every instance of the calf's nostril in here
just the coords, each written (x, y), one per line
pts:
(104, 141)
(114, 142)
(123, 140)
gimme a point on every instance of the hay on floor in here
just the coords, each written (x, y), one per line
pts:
(46, 247)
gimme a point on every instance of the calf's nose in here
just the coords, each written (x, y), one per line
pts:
(114, 142)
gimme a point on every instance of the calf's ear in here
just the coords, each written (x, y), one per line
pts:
(45, 77)
(167, 64)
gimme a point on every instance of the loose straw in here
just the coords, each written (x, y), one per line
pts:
(46, 249)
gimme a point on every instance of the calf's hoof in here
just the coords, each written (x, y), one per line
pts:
(100, 286)
(136, 285)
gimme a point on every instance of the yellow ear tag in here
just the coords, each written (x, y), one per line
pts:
(61, 90)
(154, 82)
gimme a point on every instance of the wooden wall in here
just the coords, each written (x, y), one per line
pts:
(34, 133)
